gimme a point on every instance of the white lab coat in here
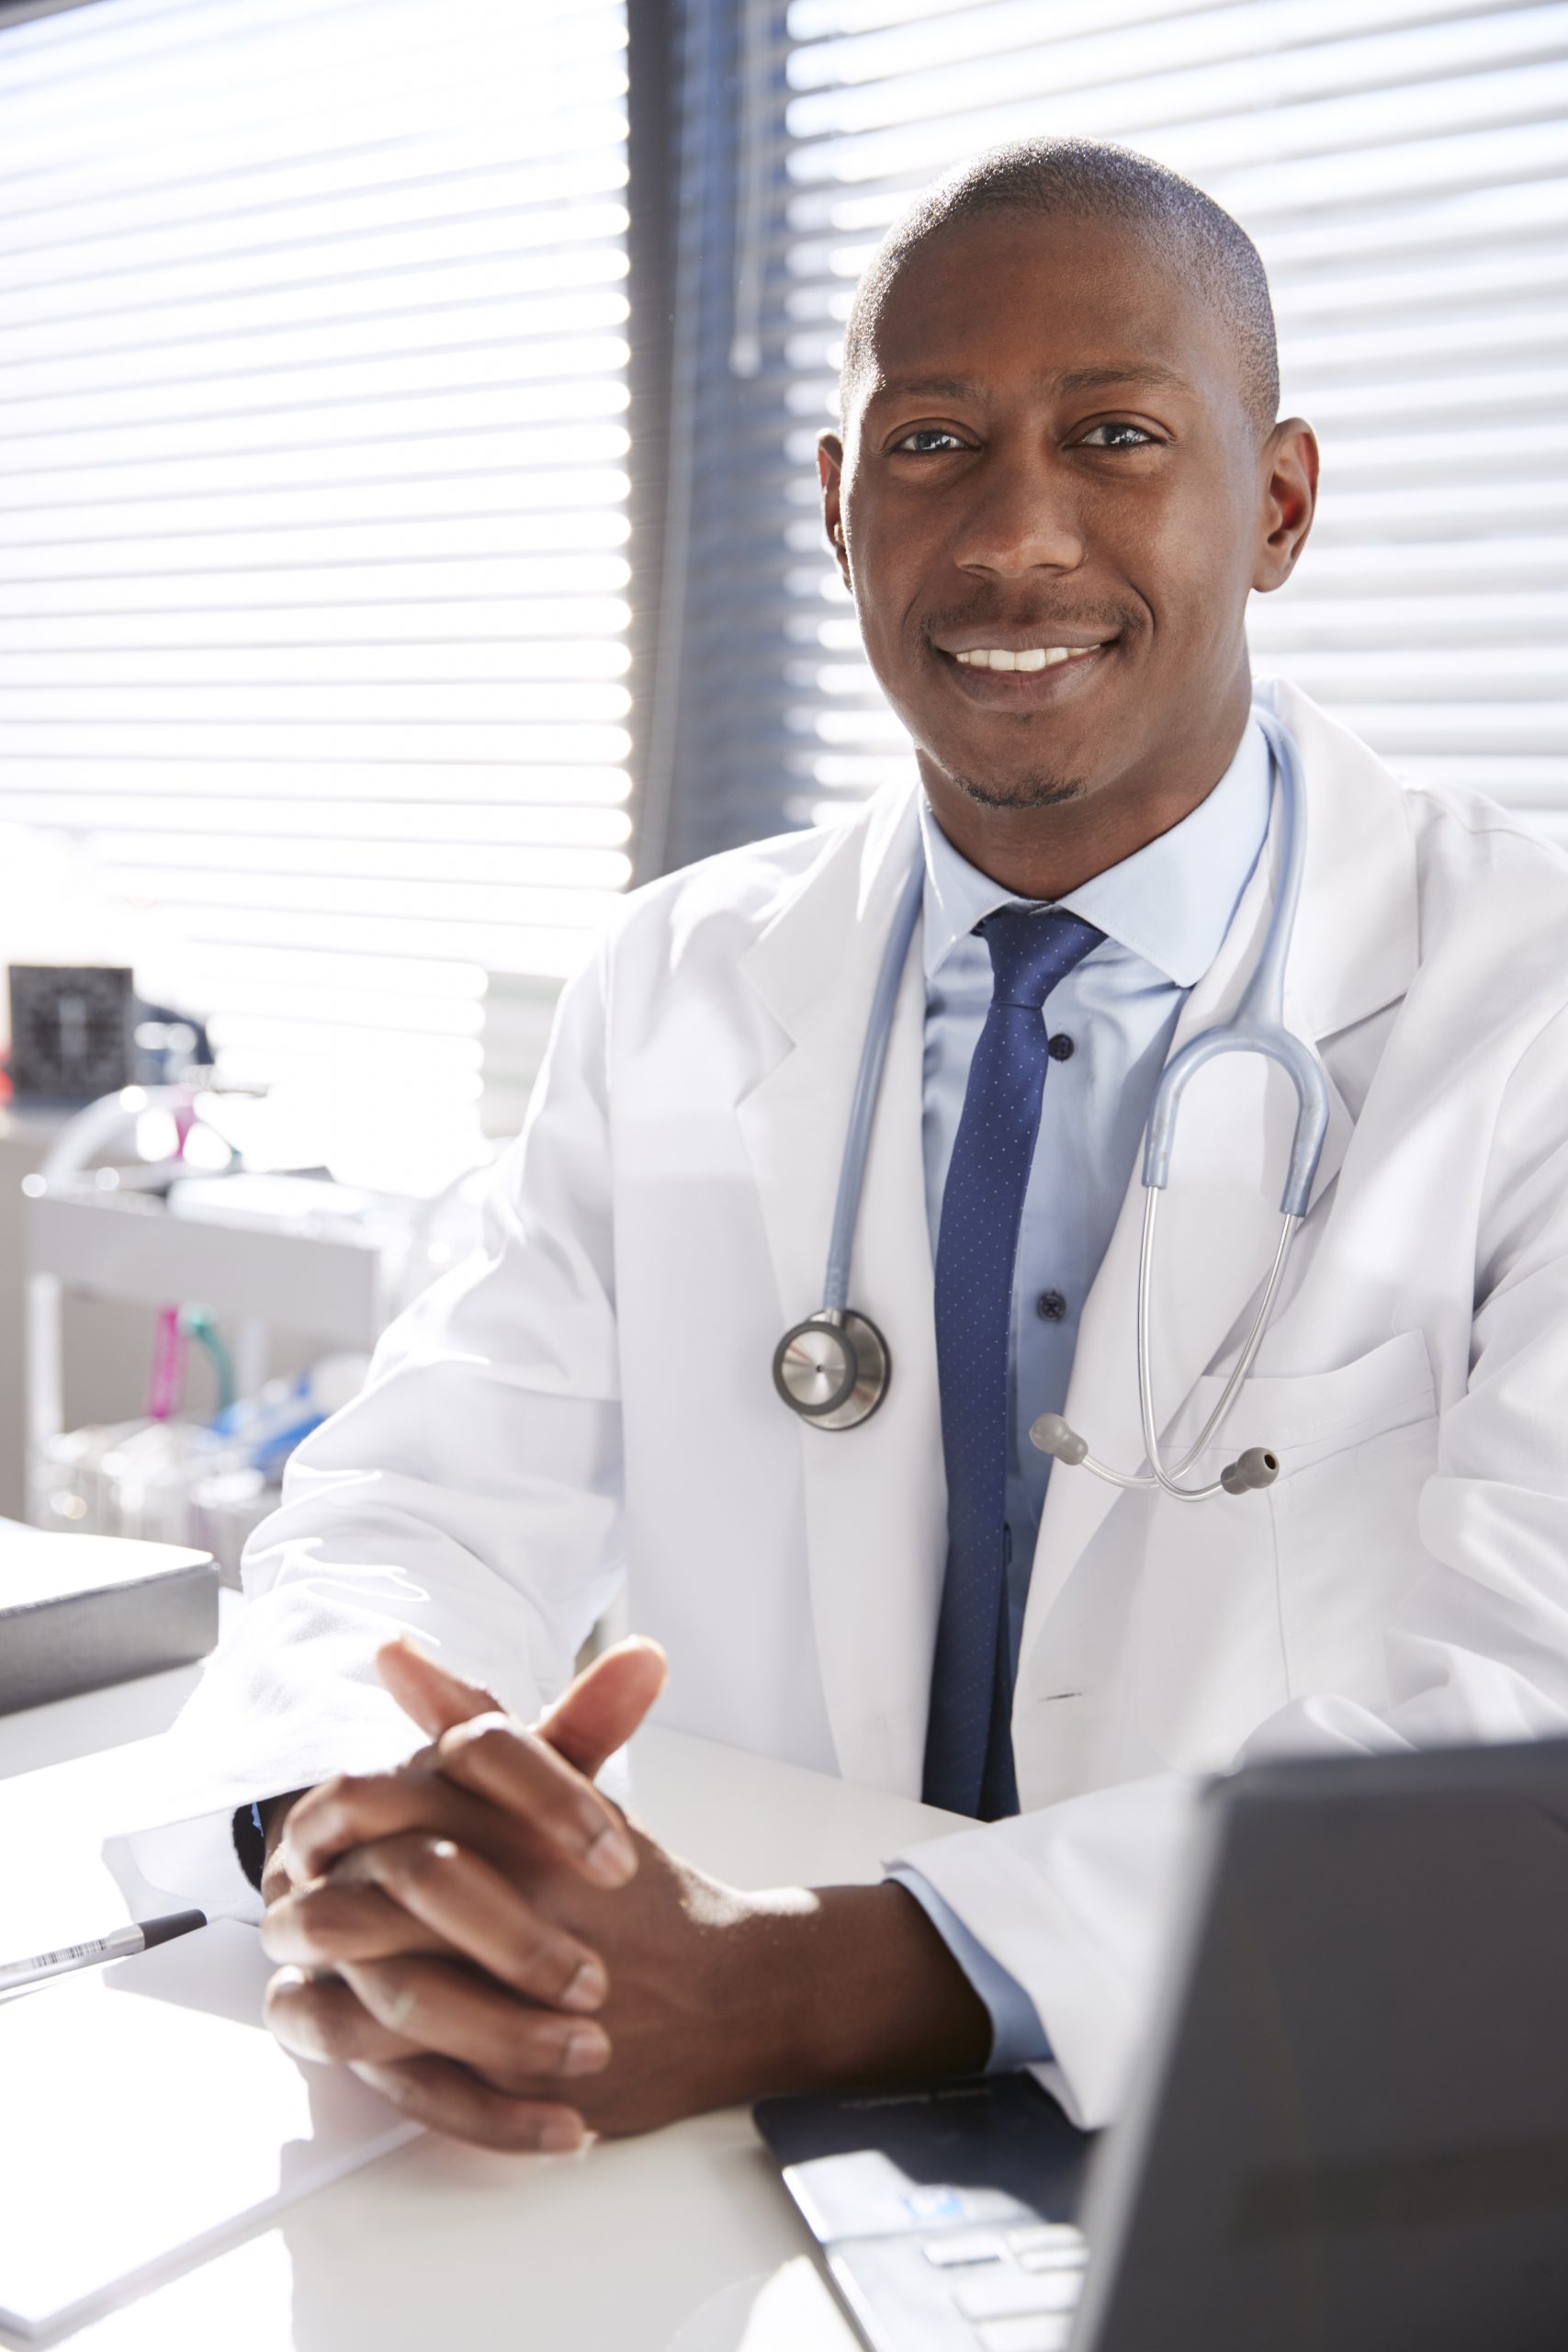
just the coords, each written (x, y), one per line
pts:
(591, 1394)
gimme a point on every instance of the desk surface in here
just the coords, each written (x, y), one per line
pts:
(679, 2242)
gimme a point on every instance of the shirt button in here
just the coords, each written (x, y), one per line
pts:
(1051, 1306)
(1060, 1047)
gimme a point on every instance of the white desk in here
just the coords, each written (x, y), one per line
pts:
(681, 2241)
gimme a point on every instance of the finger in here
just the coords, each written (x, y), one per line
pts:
(449, 2099)
(322, 2018)
(317, 1927)
(458, 2015)
(599, 1711)
(431, 1694)
(513, 1768)
(465, 1904)
(275, 1882)
(356, 1807)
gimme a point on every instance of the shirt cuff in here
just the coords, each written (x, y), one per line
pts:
(198, 1859)
(1018, 2038)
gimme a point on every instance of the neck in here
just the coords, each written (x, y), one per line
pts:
(1048, 852)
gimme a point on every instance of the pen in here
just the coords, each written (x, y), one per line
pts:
(139, 1935)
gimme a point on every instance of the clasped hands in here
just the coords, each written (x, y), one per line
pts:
(486, 1938)
(442, 1926)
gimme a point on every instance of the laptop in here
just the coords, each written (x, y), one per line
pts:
(1348, 2131)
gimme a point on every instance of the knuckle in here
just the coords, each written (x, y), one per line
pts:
(535, 1965)
(338, 2033)
(484, 1743)
(304, 2017)
(561, 1965)
(492, 1743)
(421, 1863)
(336, 1794)
(387, 1987)
(329, 1921)
(275, 1882)
(529, 2050)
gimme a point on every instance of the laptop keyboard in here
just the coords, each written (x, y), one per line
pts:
(1017, 2287)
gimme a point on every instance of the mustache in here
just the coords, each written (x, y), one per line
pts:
(1036, 619)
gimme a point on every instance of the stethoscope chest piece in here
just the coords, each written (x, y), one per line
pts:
(834, 1369)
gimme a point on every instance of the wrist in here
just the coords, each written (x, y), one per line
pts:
(841, 1986)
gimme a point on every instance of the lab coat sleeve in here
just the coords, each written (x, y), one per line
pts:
(470, 1495)
(1077, 1900)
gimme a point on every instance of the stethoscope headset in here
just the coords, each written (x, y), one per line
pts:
(833, 1370)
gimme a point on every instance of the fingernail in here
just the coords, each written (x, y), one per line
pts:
(585, 2050)
(587, 1988)
(611, 1859)
(560, 2139)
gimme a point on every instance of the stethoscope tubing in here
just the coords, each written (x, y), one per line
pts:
(1256, 1027)
(868, 1084)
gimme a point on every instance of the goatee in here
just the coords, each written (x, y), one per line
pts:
(1037, 790)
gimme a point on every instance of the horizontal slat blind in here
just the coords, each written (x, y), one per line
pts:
(313, 503)
(1403, 166)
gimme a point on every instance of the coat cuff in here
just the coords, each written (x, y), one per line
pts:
(1018, 2038)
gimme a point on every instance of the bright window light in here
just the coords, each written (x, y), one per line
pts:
(1403, 166)
(312, 507)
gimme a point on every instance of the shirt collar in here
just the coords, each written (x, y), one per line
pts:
(1170, 903)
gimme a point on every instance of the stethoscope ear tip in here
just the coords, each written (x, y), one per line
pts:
(1254, 1468)
(1051, 1434)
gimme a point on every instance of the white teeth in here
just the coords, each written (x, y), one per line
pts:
(1034, 657)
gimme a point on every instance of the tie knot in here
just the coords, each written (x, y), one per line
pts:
(1032, 950)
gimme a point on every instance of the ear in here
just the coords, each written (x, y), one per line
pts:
(831, 473)
(1290, 464)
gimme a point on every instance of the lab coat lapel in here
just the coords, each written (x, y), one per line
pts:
(874, 1497)
(1355, 950)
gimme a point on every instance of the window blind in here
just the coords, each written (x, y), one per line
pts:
(1403, 166)
(312, 504)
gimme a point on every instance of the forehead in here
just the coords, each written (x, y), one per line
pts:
(1017, 297)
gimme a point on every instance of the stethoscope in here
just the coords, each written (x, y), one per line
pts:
(834, 1369)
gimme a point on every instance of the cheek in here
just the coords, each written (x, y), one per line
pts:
(883, 602)
(1188, 561)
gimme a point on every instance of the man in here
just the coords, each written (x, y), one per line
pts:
(1060, 477)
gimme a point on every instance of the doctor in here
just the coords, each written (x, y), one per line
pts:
(1059, 480)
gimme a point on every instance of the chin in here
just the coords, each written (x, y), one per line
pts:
(1036, 789)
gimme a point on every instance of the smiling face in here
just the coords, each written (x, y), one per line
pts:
(1053, 502)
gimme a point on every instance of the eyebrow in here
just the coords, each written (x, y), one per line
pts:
(936, 388)
(1138, 371)
(1077, 380)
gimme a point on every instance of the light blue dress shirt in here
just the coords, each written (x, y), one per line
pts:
(1164, 912)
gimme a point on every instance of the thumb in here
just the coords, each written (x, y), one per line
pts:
(435, 1697)
(599, 1711)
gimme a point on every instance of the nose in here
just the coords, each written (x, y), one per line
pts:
(1022, 517)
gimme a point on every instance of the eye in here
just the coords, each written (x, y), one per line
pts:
(928, 441)
(1116, 435)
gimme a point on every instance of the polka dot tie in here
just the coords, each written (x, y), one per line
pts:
(969, 1766)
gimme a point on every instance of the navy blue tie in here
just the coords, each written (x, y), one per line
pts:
(969, 1764)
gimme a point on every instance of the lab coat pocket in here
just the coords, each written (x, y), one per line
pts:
(1355, 1447)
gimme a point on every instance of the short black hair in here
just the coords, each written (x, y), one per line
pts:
(1090, 179)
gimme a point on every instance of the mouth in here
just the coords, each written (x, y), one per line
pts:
(1020, 676)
